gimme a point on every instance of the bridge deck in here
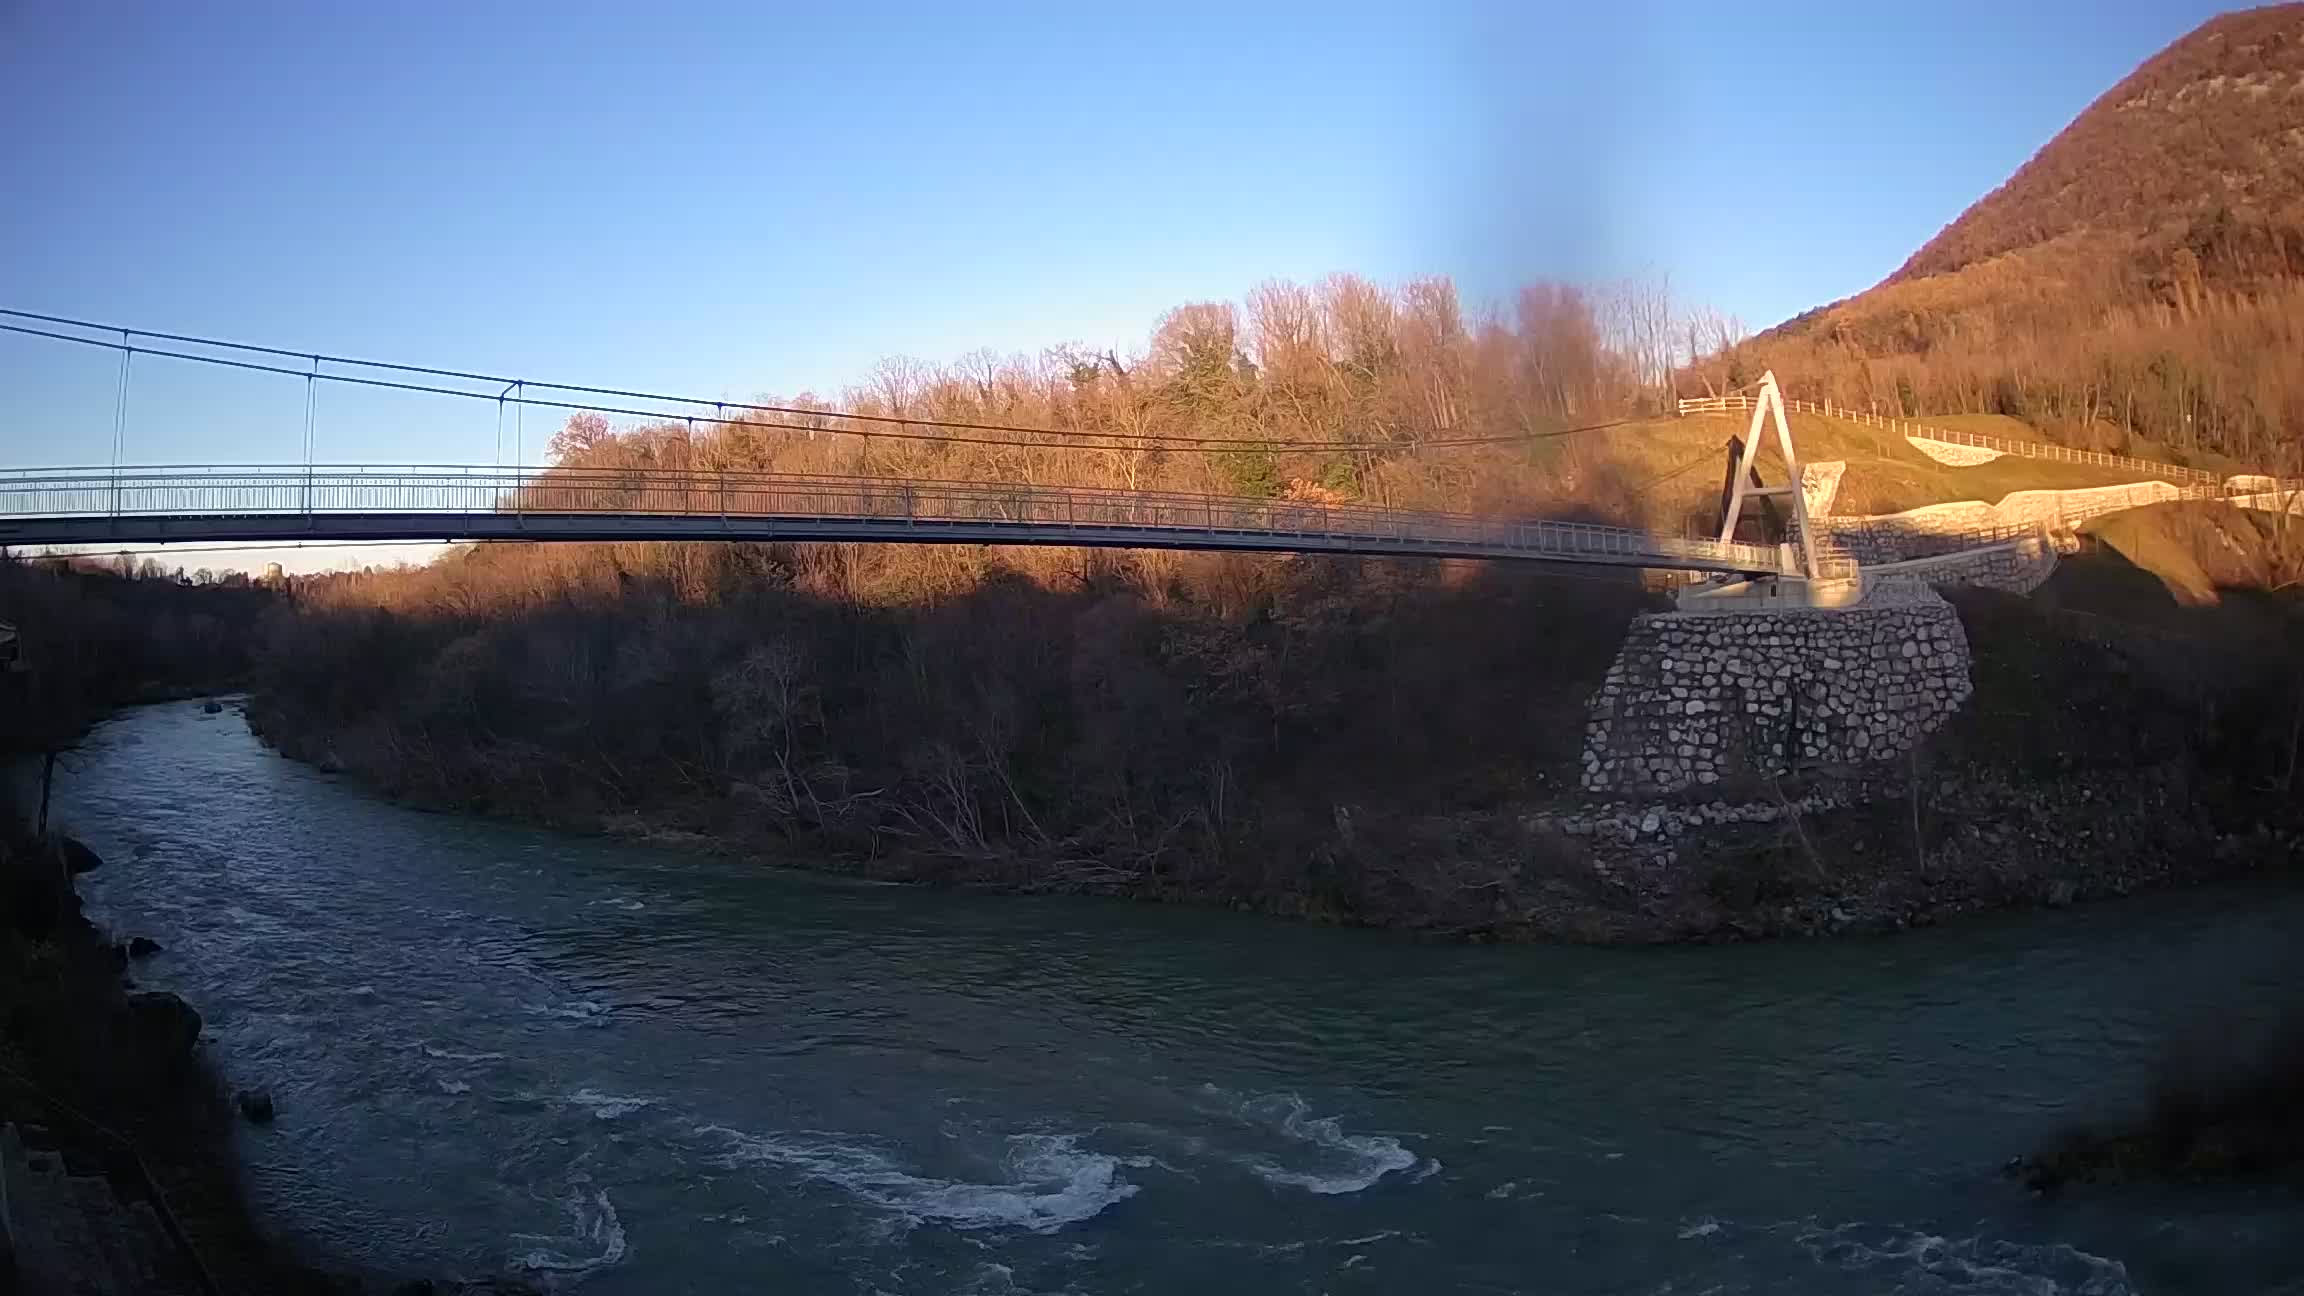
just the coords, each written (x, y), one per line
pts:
(148, 505)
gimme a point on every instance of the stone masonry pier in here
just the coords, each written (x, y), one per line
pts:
(1697, 698)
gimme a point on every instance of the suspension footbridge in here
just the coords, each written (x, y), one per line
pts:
(122, 503)
(291, 504)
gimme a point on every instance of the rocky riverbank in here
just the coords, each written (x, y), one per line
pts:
(1880, 855)
(115, 1135)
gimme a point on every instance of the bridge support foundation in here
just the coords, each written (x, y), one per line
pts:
(1697, 699)
(1771, 593)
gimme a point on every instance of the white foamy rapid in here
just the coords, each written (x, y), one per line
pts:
(595, 1240)
(1049, 1180)
(1918, 1261)
(605, 1106)
(451, 1055)
(579, 1010)
(1324, 1159)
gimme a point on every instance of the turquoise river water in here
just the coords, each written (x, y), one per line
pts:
(634, 1070)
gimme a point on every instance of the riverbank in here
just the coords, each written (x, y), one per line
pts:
(1834, 856)
(2114, 743)
(122, 1176)
(495, 1045)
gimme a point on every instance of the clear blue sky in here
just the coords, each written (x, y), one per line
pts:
(736, 198)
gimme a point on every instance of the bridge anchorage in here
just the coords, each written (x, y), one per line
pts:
(1811, 570)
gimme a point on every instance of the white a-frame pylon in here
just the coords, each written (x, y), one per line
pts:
(1770, 404)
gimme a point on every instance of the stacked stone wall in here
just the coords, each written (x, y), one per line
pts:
(1695, 699)
(2019, 568)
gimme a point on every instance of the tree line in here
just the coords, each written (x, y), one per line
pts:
(98, 633)
(1339, 390)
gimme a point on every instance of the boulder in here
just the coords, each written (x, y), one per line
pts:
(77, 857)
(212, 707)
(142, 947)
(256, 1105)
(163, 1027)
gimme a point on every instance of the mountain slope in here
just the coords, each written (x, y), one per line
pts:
(2209, 129)
(2139, 282)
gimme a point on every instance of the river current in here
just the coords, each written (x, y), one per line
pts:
(638, 1070)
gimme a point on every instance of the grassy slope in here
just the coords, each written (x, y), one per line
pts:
(1885, 474)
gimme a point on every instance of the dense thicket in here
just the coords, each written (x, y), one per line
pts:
(1191, 725)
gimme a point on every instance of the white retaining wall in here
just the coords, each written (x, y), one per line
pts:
(1820, 485)
(1953, 454)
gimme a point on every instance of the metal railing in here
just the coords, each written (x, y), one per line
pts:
(2004, 445)
(86, 505)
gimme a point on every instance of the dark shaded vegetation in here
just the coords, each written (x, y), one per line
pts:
(1352, 741)
(1220, 727)
(2225, 1104)
(2140, 280)
(93, 636)
(2102, 669)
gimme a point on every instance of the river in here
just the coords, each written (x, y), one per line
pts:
(641, 1070)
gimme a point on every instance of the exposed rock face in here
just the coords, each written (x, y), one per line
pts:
(1694, 699)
